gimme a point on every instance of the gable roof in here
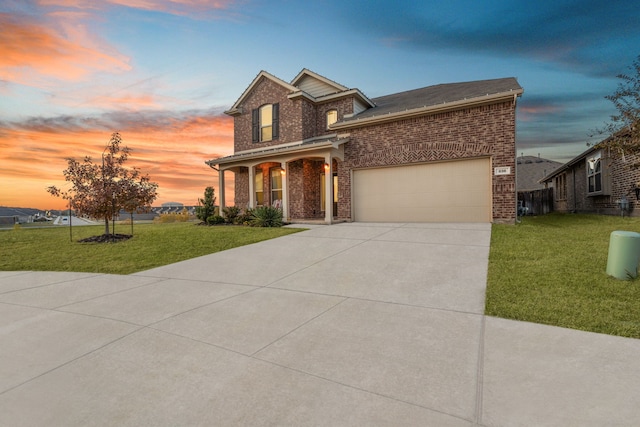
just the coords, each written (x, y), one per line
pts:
(262, 74)
(582, 156)
(435, 98)
(322, 88)
(579, 158)
(309, 77)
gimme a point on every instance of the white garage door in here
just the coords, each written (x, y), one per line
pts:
(458, 191)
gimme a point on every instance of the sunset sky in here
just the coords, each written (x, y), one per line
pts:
(161, 72)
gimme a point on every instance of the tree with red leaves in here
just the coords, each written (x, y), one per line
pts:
(102, 190)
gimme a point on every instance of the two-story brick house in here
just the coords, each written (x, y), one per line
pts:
(320, 150)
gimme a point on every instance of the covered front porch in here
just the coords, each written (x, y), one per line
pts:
(300, 179)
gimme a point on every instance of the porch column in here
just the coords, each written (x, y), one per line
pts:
(252, 183)
(285, 191)
(328, 190)
(221, 191)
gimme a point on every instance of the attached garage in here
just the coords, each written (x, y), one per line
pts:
(453, 191)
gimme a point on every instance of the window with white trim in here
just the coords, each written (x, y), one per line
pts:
(259, 187)
(594, 173)
(560, 185)
(332, 117)
(276, 187)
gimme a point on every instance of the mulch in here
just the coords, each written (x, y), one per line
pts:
(106, 238)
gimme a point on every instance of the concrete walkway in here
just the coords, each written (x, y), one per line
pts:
(343, 325)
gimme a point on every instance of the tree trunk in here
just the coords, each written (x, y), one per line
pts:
(106, 226)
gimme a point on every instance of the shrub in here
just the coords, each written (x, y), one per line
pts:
(215, 219)
(231, 214)
(266, 216)
(172, 217)
(245, 217)
(206, 206)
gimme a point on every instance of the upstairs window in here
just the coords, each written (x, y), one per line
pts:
(594, 173)
(332, 117)
(265, 123)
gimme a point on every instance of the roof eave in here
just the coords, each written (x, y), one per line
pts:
(349, 92)
(430, 109)
(579, 158)
(334, 143)
(331, 97)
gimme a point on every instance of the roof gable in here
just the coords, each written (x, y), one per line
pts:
(307, 84)
(234, 110)
(316, 85)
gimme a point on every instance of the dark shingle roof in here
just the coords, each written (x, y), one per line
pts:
(437, 95)
(532, 169)
(7, 211)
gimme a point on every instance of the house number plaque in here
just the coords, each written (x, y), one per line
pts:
(504, 170)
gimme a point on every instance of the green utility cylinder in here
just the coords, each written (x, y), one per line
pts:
(624, 253)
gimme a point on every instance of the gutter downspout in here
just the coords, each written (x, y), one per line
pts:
(515, 159)
(575, 207)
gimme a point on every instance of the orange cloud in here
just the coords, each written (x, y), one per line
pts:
(528, 113)
(175, 7)
(171, 150)
(30, 51)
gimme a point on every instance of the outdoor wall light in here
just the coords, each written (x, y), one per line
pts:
(283, 171)
(326, 167)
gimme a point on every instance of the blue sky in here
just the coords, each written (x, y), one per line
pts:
(162, 72)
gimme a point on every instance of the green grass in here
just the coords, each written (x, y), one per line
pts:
(153, 245)
(549, 269)
(552, 270)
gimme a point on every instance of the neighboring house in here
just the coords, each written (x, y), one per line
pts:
(320, 150)
(534, 197)
(597, 181)
(18, 215)
(530, 170)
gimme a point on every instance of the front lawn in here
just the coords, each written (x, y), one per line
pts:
(152, 245)
(552, 269)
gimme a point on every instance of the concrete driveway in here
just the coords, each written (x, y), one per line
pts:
(345, 325)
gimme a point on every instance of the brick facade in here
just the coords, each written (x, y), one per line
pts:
(304, 188)
(622, 181)
(484, 130)
(462, 134)
(291, 124)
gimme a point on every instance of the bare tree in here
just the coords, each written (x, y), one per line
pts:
(101, 190)
(623, 130)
